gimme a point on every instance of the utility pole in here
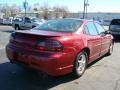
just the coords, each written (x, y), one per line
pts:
(25, 5)
(85, 9)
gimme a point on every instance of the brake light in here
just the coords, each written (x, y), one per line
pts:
(50, 45)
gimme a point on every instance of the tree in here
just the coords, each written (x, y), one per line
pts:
(36, 7)
(60, 11)
(14, 10)
(45, 9)
(10, 11)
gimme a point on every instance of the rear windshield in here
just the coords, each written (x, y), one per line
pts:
(60, 25)
(115, 22)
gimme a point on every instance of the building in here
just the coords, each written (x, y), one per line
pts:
(1, 15)
(104, 18)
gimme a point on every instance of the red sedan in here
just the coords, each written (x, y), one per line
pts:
(61, 46)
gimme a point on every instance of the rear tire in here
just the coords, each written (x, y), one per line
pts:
(80, 64)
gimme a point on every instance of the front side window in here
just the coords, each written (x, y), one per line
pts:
(99, 28)
(60, 25)
(92, 29)
(27, 20)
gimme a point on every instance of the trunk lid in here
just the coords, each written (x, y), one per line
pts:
(44, 33)
(29, 38)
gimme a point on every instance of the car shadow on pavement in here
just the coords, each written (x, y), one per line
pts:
(92, 64)
(12, 77)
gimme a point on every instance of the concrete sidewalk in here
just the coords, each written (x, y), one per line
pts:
(4, 37)
(5, 27)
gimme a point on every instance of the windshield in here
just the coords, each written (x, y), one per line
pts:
(60, 25)
(115, 22)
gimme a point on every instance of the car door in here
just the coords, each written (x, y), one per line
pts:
(27, 23)
(94, 40)
(106, 38)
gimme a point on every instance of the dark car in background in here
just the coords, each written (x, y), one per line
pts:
(60, 46)
(115, 27)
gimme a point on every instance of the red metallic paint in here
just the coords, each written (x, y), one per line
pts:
(23, 49)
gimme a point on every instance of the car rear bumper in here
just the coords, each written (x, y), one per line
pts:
(52, 65)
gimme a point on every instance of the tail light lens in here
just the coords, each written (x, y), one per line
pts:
(50, 45)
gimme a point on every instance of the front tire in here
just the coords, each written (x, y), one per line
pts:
(80, 64)
(110, 51)
(17, 27)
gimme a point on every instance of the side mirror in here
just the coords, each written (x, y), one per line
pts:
(107, 32)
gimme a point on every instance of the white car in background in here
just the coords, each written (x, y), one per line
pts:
(7, 21)
(25, 23)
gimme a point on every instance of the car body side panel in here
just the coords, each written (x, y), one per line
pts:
(94, 44)
(106, 41)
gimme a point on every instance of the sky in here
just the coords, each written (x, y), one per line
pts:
(74, 5)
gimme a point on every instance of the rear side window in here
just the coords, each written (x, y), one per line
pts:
(115, 22)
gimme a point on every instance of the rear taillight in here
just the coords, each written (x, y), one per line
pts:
(49, 45)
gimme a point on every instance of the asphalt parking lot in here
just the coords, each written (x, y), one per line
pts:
(104, 74)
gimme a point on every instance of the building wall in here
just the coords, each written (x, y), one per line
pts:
(105, 18)
(1, 15)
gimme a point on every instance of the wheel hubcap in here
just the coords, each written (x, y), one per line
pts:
(111, 48)
(81, 64)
